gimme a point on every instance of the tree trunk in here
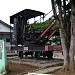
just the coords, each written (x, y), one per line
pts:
(63, 36)
(72, 45)
(68, 54)
(64, 47)
(72, 53)
(65, 51)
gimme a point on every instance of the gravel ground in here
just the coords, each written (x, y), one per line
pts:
(18, 66)
(41, 62)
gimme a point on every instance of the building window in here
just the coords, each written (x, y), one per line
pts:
(7, 39)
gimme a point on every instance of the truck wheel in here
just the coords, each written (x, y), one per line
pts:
(31, 54)
(49, 54)
(44, 54)
(37, 54)
(26, 54)
(21, 54)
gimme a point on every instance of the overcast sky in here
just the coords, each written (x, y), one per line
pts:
(10, 7)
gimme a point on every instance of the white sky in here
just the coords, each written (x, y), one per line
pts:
(10, 7)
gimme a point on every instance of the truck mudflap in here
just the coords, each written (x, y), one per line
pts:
(53, 47)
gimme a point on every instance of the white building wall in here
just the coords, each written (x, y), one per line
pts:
(7, 43)
(4, 28)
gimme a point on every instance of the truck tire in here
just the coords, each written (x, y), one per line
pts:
(31, 53)
(44, 54)
(26, 54)
(37, 55)
(21, 54)
(49, 54)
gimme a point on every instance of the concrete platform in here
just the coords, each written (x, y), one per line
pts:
(48, 70)
(45, 71)
(37, 74)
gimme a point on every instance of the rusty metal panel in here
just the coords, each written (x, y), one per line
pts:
(46, 48)
(25, 48)
(53, 47)
(57, 47)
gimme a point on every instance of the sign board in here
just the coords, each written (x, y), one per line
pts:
(0, 46)
(0, 50)
(3, 58)
(0, 55)
(25, 48)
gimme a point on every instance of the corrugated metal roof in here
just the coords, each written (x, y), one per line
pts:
(5, 24)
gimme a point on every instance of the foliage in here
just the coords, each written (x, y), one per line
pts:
(43, 25)
(56, 39)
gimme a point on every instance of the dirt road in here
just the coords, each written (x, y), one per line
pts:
(17, 68)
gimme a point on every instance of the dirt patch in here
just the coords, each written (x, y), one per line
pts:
(17, 68)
